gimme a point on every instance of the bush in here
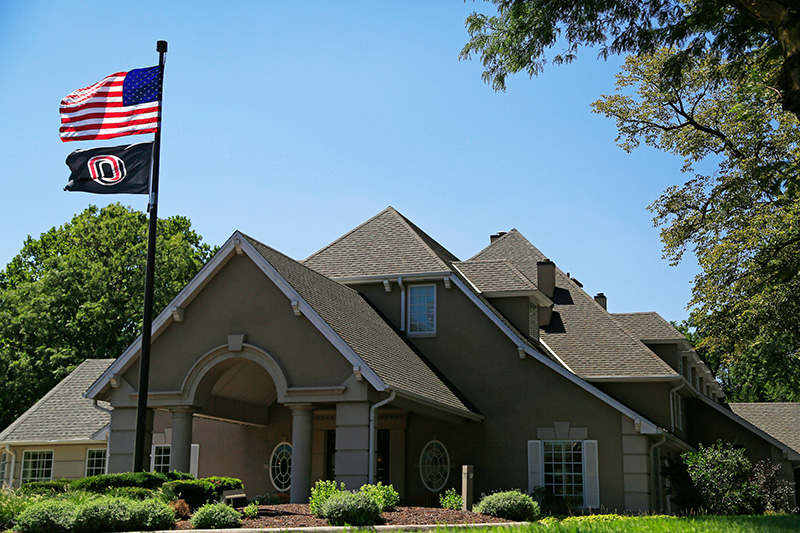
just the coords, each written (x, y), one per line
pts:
(12, 503)
(103, 482)
(177, 476)
(180, 509)
(221, 484)
(451, 500)
(133, 493)
(511, 505)
(216, 516)
(384, 495)
(105, 514)
(549, 503)
(320, 494)
(251, 511)
(270, 498)
(49, 516)
(720, 473)
(152, 515)
(773, 494)
(46, 488)
(353, 509)
(196, 492)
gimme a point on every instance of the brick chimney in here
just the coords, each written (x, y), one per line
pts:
(496, 236)
(602, 300)
(547, 277)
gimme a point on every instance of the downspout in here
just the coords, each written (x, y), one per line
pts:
(402, 303)
(101, 408)
(13, 465)
(372, 434)
(656, 478)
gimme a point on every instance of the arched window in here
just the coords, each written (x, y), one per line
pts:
(434, 466)
(280, 467)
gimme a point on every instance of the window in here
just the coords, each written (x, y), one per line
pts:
(434, 466)
(3, 475)
(37, 465)
(676, 410)
(280, 467)
(159, 458)
(95, 462)
(567, 468)
(422, 310)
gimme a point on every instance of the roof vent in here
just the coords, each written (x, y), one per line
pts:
(602, 300)
(496, 236)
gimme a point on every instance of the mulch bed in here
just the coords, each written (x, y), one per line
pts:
(292, 515)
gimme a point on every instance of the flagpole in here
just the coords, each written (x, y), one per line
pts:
(147, 315)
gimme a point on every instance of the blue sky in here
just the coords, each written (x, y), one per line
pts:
(296, 121)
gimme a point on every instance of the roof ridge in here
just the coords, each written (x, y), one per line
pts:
(418, 234)
(342, 237)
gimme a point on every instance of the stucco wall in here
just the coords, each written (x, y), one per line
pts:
(69, 460)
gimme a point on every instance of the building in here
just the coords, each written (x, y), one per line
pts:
(382, 357)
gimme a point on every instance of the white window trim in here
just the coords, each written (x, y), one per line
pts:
(3, 469)
(447, 469)
(22, 465)
(676, 410)
(105, 460)
(435, 312)
(271, 475)
(591, 478)
(194, 458)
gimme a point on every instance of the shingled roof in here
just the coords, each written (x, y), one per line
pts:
(584, 336)
(780, 420)
(364, 330)
(649, 326)
(493, 276)
(63, 414)
(387, 244)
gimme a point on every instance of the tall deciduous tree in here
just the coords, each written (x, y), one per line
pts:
(77, 293)
(517, 38)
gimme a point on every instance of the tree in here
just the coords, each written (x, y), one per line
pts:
(739, 213)
(77, 293)
(716, 96)
(516, 39)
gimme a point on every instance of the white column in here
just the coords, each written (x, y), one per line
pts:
(181, 446)
(302, 424)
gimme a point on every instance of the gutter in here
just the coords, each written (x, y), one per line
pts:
(373, 434)
(13, 466)
(99, 407)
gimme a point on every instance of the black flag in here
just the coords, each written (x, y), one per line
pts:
(111, 170)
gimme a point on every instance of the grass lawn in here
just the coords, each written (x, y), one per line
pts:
(701, 524)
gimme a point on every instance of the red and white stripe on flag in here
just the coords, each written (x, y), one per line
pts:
(97, 112)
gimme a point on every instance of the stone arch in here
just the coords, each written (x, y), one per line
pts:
(222, 354)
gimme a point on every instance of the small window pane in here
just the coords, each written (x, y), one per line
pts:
(422, 309)
(161, 455)
(563, 468)
(95, 462)
(37, 466)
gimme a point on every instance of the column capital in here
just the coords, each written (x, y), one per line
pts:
(301, 408)
(182, 411)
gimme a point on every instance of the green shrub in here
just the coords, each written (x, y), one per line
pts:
(196, 492)
(270, 498)
(177, 476)
(384, 495)
(251, 511)
(12, 503)
(773, 494)
(549, 503)
(320, 493)
(76, 497)
(46, 488)
(105, 514)
(216, 516)
(133, 493)
(104, 482)
(720, 473)
(221, 484)
(354, 509)
(152, 515)
(49, 516)
(451, 499)
(511, 505)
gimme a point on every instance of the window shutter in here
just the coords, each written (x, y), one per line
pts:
(534, 464)
(591, 481)
(194, 458)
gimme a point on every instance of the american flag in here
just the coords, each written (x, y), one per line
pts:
(125, 103)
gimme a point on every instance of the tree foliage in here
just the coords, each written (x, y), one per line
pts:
(739, 212)
(517, 38)
(77, 293)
